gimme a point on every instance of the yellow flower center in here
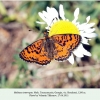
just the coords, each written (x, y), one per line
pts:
(63, 27)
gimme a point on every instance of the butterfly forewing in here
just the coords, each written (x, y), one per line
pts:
(35, 53)
(64, 45)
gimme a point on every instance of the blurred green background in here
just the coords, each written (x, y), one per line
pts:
(16, 19)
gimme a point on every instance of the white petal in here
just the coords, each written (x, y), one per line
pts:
(82, 26)
(71, 59)
(76, 13)
(85, 41)
(45, 14)
(48, 9)
(61, 12)
(86, 27)
(90, 25)
(78, 53)
(89, 30)
(43, 17)
(40, 22)
(49, 16)
(93, 35)
(88, 35)
(54, 13)
(88, 19)
(52, 16)
(83, 51)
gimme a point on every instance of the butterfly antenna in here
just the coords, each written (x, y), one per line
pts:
(52, 22)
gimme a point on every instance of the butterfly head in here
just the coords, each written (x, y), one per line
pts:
(46, 33)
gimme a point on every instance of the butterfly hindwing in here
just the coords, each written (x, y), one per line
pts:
(35, 53)
(61, 53)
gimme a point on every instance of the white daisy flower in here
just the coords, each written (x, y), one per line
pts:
(57, 25)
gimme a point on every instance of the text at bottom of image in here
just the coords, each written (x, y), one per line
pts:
(50, 94)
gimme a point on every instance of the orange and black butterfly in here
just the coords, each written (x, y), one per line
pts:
(58, 47)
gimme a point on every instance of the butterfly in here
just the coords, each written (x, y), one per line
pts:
(58, 47)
